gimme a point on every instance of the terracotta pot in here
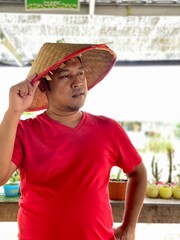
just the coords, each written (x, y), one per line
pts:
(117, 190)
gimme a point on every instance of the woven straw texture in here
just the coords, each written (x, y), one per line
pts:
(97, 61)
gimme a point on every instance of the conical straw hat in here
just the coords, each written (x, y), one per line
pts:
(97, 61)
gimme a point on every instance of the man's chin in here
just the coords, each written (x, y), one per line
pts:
(75, 108)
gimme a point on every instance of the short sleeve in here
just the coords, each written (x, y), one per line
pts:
(127, 155)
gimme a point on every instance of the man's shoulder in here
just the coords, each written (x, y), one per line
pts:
(101, 119)
(30, 122)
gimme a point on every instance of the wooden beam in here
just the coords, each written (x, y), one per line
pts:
(114, 9)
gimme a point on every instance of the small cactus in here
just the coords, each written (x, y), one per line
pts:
(170, 152)
(155, 171)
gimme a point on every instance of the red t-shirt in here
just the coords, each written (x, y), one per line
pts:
(64, 176)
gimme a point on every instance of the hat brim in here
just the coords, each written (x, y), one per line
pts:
(97, 61)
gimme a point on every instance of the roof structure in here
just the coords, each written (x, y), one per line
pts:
(133, 38)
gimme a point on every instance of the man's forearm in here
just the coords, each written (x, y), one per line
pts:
(136, 189)
(8, 129)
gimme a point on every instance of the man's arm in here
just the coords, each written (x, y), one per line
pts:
(8, 128)
(20, 98)
(136, 189)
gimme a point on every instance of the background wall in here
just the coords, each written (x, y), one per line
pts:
(126, 94)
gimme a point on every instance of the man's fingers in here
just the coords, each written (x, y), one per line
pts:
(31, 86)
(35, 85)
(25, 89)
(30, 78)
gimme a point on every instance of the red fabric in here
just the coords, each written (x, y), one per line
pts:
(64, 177)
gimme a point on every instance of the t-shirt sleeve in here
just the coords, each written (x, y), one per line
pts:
(18, 148)
(127, 155)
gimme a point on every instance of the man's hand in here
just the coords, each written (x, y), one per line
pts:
(124, 234)
(21, 95)
(135, 192)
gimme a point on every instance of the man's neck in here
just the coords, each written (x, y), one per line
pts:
(70, 119)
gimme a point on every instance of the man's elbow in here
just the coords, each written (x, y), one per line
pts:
(139, 172)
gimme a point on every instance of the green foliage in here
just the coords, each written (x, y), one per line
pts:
(177, 168)
(15, 178)
(41, 4)
(60, 40)
(157, 144)
(29, 114)
(177, 130)
(117, 174)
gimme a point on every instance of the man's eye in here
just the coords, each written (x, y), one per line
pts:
(80, 73)
(64, 76)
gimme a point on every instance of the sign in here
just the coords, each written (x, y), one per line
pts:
(52, 4)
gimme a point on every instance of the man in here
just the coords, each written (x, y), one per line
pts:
(65, 155)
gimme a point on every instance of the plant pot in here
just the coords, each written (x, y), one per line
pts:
(11, 190)
(117, 190)
(152, 191)
(176, 192)
(165, 192)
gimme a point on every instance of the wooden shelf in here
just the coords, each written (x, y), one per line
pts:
(153, 211)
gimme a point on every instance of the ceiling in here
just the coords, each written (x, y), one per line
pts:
(103, 7)
(118, 23)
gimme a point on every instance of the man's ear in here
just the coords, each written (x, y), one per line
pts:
(44, 85)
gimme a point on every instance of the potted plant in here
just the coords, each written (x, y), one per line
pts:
(152, 190)
(159, 145)
(12, 187)
(156, 172)
(117, 185)
(165, 191)
(176, 187)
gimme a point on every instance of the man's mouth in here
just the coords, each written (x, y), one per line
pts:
(78, 94)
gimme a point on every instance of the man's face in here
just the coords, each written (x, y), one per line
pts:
(68, 87)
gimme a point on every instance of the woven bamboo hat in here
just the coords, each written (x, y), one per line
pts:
(97, 61)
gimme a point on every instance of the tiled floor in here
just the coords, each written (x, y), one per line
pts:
(158, 232)
(8, 231)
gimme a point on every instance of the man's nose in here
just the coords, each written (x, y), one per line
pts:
(76, 82)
